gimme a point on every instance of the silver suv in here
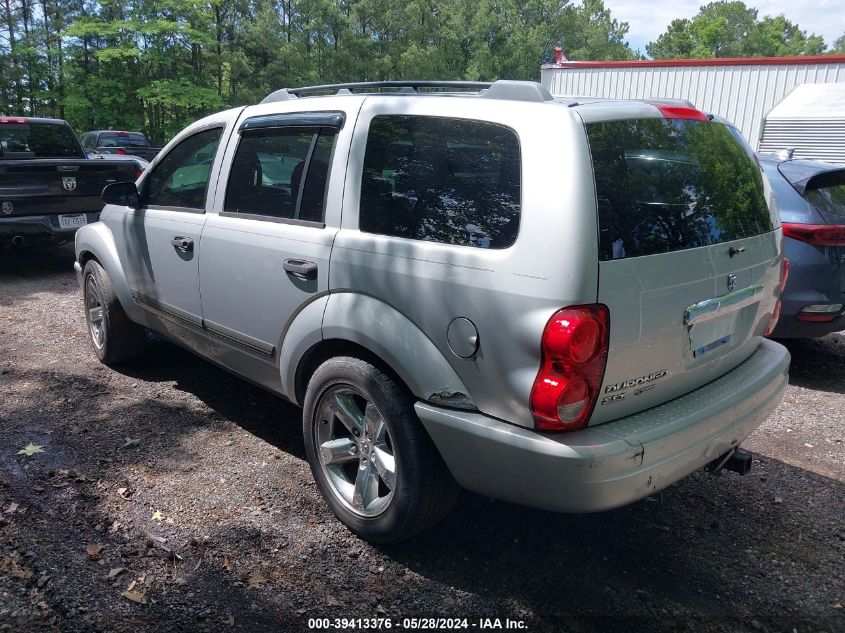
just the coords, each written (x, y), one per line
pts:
(557, 304)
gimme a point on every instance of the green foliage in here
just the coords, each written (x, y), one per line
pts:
(731, 29)
(839, 44)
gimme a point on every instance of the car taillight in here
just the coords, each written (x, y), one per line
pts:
(820, 313)
(14, 119)
(784, 275)
(574, 355)
(121, 151)
(138, 172)
(816, 234)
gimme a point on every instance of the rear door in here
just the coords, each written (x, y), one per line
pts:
(266, 252)
(689, 256)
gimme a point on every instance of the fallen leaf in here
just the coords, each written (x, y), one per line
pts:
(94, 549)
(227, 563)
(116, 571)
(334, 602)
(135, 596)
(131, 441)
(121, 492)
(12, 507)
(132, 585)
(158, 516)
(30, 449)
(838, 605)
(255, 578)
(25, 574)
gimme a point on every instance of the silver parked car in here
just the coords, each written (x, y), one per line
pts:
(557, 304)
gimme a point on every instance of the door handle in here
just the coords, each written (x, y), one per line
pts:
(184, 243)
(301, 268)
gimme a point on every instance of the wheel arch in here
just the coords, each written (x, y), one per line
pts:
(95, 242)
(361, 325)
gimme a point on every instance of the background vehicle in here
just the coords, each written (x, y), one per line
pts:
(48, 186)
(554, 303)
(118, 142)
(811, 199)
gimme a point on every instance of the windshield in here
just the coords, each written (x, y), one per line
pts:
(37, 140)
(827, 192)
(666, 185)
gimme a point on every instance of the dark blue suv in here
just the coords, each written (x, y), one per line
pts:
(811, 199)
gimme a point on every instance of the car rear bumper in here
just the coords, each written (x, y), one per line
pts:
(615, 463)
(38, 228)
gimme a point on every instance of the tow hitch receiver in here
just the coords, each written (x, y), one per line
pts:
(737, 460)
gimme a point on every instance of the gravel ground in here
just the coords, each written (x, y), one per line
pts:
(171, 496)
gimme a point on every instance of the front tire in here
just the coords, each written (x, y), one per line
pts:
(114, 337)
(371, 458)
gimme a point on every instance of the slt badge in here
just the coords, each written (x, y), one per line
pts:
(69, 183)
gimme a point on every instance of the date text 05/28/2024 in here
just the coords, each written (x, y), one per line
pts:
(416, 624)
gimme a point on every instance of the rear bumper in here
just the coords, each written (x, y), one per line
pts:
(38, 228)
(615, 463)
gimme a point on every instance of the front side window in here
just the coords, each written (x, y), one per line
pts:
(281, 173)
(181, 178)
(666, 185)
(444, 180)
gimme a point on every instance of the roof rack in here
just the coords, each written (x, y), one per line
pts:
(502, 89)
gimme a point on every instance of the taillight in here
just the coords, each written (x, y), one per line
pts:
(121, 151)
(13, 119)
(138, 172)
(574, 355)
(820, 313)
(784, 275)
(816, 234)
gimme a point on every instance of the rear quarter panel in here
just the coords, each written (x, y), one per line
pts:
(509, 294)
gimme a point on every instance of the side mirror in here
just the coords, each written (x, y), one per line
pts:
(124, 194)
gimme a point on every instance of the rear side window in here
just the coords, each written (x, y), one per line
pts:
(827, 192)
(441, 180)
(281, 173)
(666, 185)
(37, 140)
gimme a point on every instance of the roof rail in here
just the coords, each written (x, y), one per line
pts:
(374, 86)
(502, 89)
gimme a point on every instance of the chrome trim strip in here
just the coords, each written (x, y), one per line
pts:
(711, 308)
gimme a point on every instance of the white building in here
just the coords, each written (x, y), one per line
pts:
(742, 90)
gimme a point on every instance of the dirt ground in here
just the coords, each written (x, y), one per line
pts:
(172, 496)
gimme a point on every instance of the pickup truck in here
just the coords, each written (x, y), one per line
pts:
(118, 142)
(48, 185)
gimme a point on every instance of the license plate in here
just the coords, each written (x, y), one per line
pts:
(72, 221)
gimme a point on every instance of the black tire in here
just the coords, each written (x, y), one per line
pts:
(423, 491)
(122, 340)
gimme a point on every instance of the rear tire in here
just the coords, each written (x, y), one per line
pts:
(371, 458)
(114, 337)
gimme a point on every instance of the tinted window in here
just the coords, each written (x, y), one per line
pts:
(37, 140)
(181, 178)
(281, 173)
(441, 180)
(666, 185)
(123, 139)
(827, 192)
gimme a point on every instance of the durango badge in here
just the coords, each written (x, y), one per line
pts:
(69, 183)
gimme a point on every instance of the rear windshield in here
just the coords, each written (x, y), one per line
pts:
(122, 139)
(666, 185)
(37, 140)
(827, 192)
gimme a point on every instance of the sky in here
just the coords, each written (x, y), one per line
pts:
(648, 19)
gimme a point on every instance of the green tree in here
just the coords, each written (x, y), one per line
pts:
(838, 44)
(731, 29)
